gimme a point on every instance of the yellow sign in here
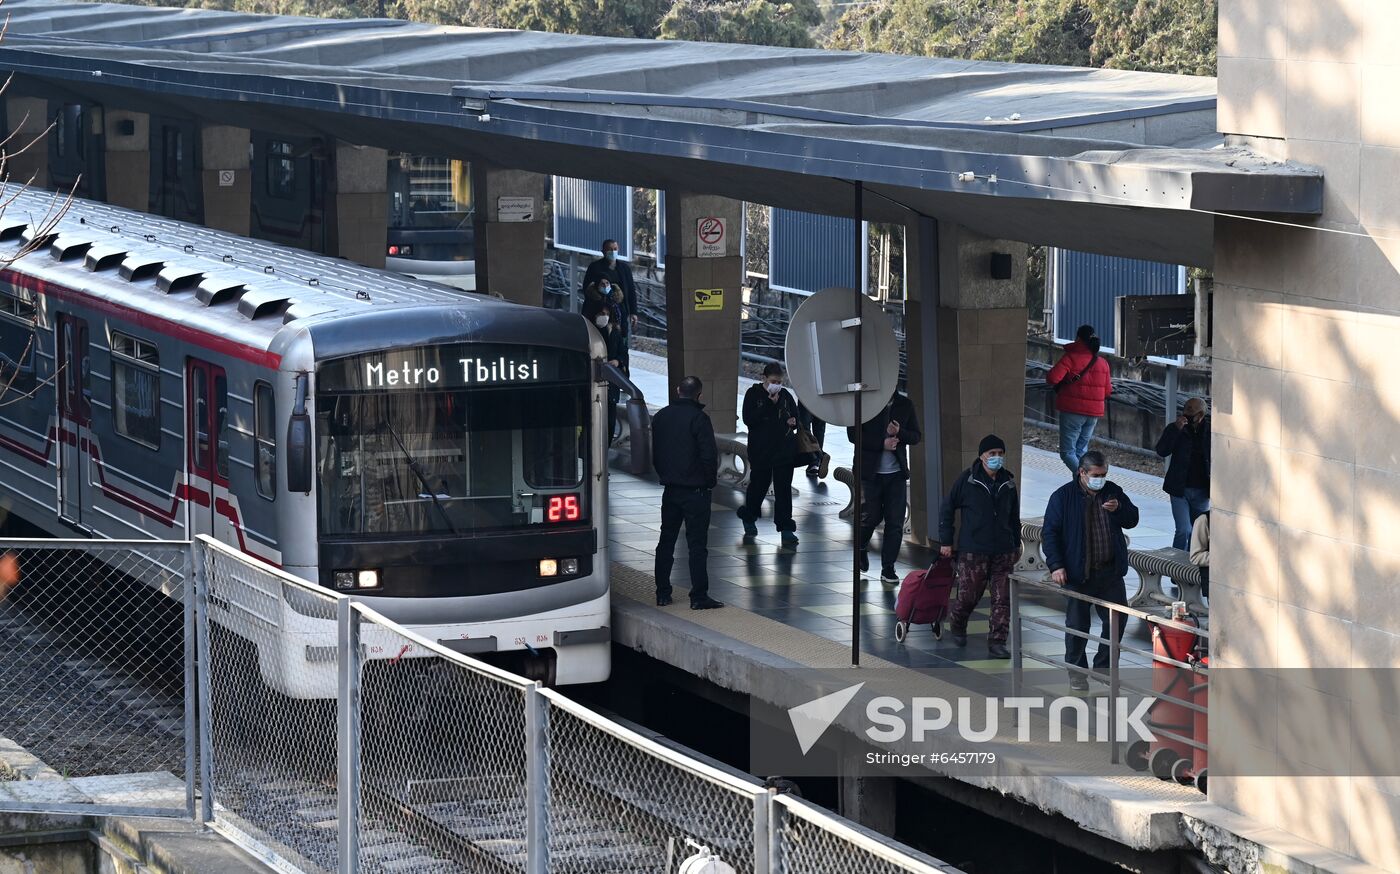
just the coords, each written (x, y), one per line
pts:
(708, 299)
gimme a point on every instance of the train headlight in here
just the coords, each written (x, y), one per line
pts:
(345, 579)
(568, 567)
(367, 580)
(549, 567)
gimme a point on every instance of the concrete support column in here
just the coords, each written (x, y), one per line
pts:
(127, 157)
(702, 331)
(509, 254)
(867, 800)
(28, 118)
(967, 357)
(226, 177)
(361, 203)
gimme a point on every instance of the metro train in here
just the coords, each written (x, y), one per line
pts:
(439, 455)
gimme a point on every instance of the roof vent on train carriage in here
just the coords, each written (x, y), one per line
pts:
(67, 247)
(11, 228)
(214, 290)
(302, 309)
(259, 304)
(100, 258)
(136, 267)
(173, 279)
(37, 237)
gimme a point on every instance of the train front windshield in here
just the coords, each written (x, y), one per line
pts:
(431, 462)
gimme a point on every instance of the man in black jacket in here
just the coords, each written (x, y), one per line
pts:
(1187, 443)
(1086, 551)
(683, 451)
(881, 443)
(989, 541)
(770, 414)
(619, 274)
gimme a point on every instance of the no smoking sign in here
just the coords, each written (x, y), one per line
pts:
(711, 238)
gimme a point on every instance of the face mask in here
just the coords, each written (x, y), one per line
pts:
(601, 321)
(1096, 482)
(605, 290)
(773, 388)
(611, 255)
(995, 462)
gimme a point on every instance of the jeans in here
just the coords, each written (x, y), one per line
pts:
(691, 506)
(1106, 585)
(780, 476)
(884, 498)
(1186, 509)
(1075, 431)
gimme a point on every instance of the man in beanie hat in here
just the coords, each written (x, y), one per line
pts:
(988, 542)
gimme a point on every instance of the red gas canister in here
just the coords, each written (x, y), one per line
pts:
(1167, 756)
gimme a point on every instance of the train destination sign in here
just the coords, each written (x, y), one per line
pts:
(453, 367)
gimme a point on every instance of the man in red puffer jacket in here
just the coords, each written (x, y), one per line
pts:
(1082, 383)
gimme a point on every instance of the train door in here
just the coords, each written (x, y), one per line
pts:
(206, 403)
(74, 418)
(176, 189)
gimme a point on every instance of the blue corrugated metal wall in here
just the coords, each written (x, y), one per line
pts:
(587, 212)
(1085, 286)
(808, 252)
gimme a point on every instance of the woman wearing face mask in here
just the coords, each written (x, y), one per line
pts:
(770, 414)
(604, 319)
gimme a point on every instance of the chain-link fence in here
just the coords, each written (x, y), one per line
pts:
(95, 643)
(327, 738)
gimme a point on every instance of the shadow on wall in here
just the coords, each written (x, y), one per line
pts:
(1307, 423)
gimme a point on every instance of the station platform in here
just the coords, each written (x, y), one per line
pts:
(788, 609)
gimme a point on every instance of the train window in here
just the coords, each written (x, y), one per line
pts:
(265, 440)
(136, 389)
(60, 134)
(281, 170)
(16, 343)
(221, 423)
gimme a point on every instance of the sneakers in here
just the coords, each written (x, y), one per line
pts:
(1079, 683)
(813, 471)
(704, 602)
(789, 538)
(889, 577)
(864, 561)
(663, 600)
(998, 651)
(824, 467)
(750, 529)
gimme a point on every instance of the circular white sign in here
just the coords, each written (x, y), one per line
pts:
(820, 353)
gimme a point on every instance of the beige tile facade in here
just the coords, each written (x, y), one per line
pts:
(1307, 468)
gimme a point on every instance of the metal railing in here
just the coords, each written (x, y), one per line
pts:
(1188, 674)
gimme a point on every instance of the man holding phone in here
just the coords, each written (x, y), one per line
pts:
(1087, 552)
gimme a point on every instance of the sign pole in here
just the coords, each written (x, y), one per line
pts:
(857, 547)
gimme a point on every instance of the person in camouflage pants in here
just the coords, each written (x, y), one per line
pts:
(975, 574)
(988, 541)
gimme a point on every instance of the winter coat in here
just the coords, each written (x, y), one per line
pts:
(1200, 541)
(683, 446)
(1179, 444)
(772, 442)
(619, 273)
(871, 441)
(1088, 395)
(991, 512)
(1063, 538)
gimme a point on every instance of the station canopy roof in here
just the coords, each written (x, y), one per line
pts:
(1111, 161)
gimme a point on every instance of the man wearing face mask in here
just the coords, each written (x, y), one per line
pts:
(988, 542)
(770, 414)
(1187, 443)
(604, 319)
(1086, 551)
(619, 277)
